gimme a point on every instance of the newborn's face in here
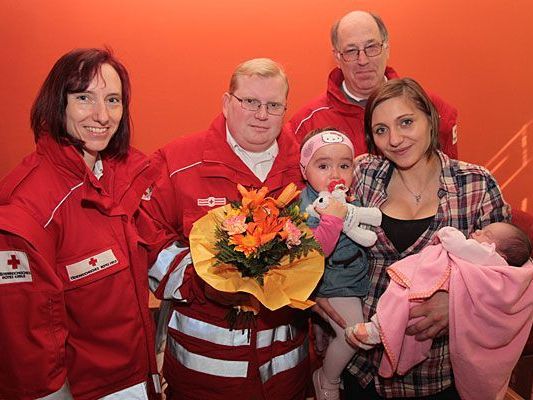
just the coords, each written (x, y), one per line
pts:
(482, 236)
(492, 233)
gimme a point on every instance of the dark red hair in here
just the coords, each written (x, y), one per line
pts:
(73, 73)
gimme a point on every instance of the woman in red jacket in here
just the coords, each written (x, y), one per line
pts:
(73, 277)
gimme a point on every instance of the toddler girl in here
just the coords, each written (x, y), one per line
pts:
(327, 163)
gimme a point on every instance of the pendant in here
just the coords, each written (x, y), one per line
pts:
(417, 198)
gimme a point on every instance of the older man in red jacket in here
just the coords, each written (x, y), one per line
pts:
(360, 43)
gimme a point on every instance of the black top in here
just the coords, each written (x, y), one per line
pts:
(403, 233)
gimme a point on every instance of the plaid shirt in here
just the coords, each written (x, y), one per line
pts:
(469, 199)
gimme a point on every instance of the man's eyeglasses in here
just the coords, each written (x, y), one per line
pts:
(372, 50)
(254, 105)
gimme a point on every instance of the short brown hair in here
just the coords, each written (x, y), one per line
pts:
(73, 73)
(411, 90)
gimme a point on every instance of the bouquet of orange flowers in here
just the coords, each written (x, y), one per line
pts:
(260, 246)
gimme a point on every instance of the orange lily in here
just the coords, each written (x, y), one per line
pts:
(287, 195)
(270, 226)
(253, 197)
(255, 236)
(266, 209)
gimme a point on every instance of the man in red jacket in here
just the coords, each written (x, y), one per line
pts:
(361, 48)
(204, 358)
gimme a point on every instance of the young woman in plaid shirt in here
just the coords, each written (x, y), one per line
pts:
(419, 190)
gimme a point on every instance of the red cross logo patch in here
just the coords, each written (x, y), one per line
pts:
(91, 265)
(14, 267)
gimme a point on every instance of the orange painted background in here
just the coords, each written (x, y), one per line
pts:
(476, 54)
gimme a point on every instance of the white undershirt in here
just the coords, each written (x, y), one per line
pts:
(259, 163)
(351, 95)
(98, 169)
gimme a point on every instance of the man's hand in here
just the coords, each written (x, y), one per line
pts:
(325, 310)
(435, 310)
(224, 298)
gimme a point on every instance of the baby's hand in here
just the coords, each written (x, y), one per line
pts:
(362, 335)
(335, 208)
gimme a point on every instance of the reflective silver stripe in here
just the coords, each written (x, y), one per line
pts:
(205, 331)
(283, 362)
(161, 267)
(157, 383)
(61, 394)
(135, 392)
(280, 333)
(176, 279)
(206, 365)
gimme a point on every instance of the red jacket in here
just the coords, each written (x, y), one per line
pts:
(333, 109)
(204, 359)
(74, 296)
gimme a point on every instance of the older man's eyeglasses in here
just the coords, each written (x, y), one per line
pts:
(250, 104)
(372, 50)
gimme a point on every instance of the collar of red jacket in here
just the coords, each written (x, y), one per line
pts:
(124, 181)
(337, 97)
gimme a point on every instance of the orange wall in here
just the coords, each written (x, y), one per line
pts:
(474, 53)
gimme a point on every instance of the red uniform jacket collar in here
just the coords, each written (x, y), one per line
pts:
(337, 97)
(132, 175)
(65, 157)
(216, 139)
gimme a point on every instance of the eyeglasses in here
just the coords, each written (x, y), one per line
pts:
(272, 108)
(372, 50)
